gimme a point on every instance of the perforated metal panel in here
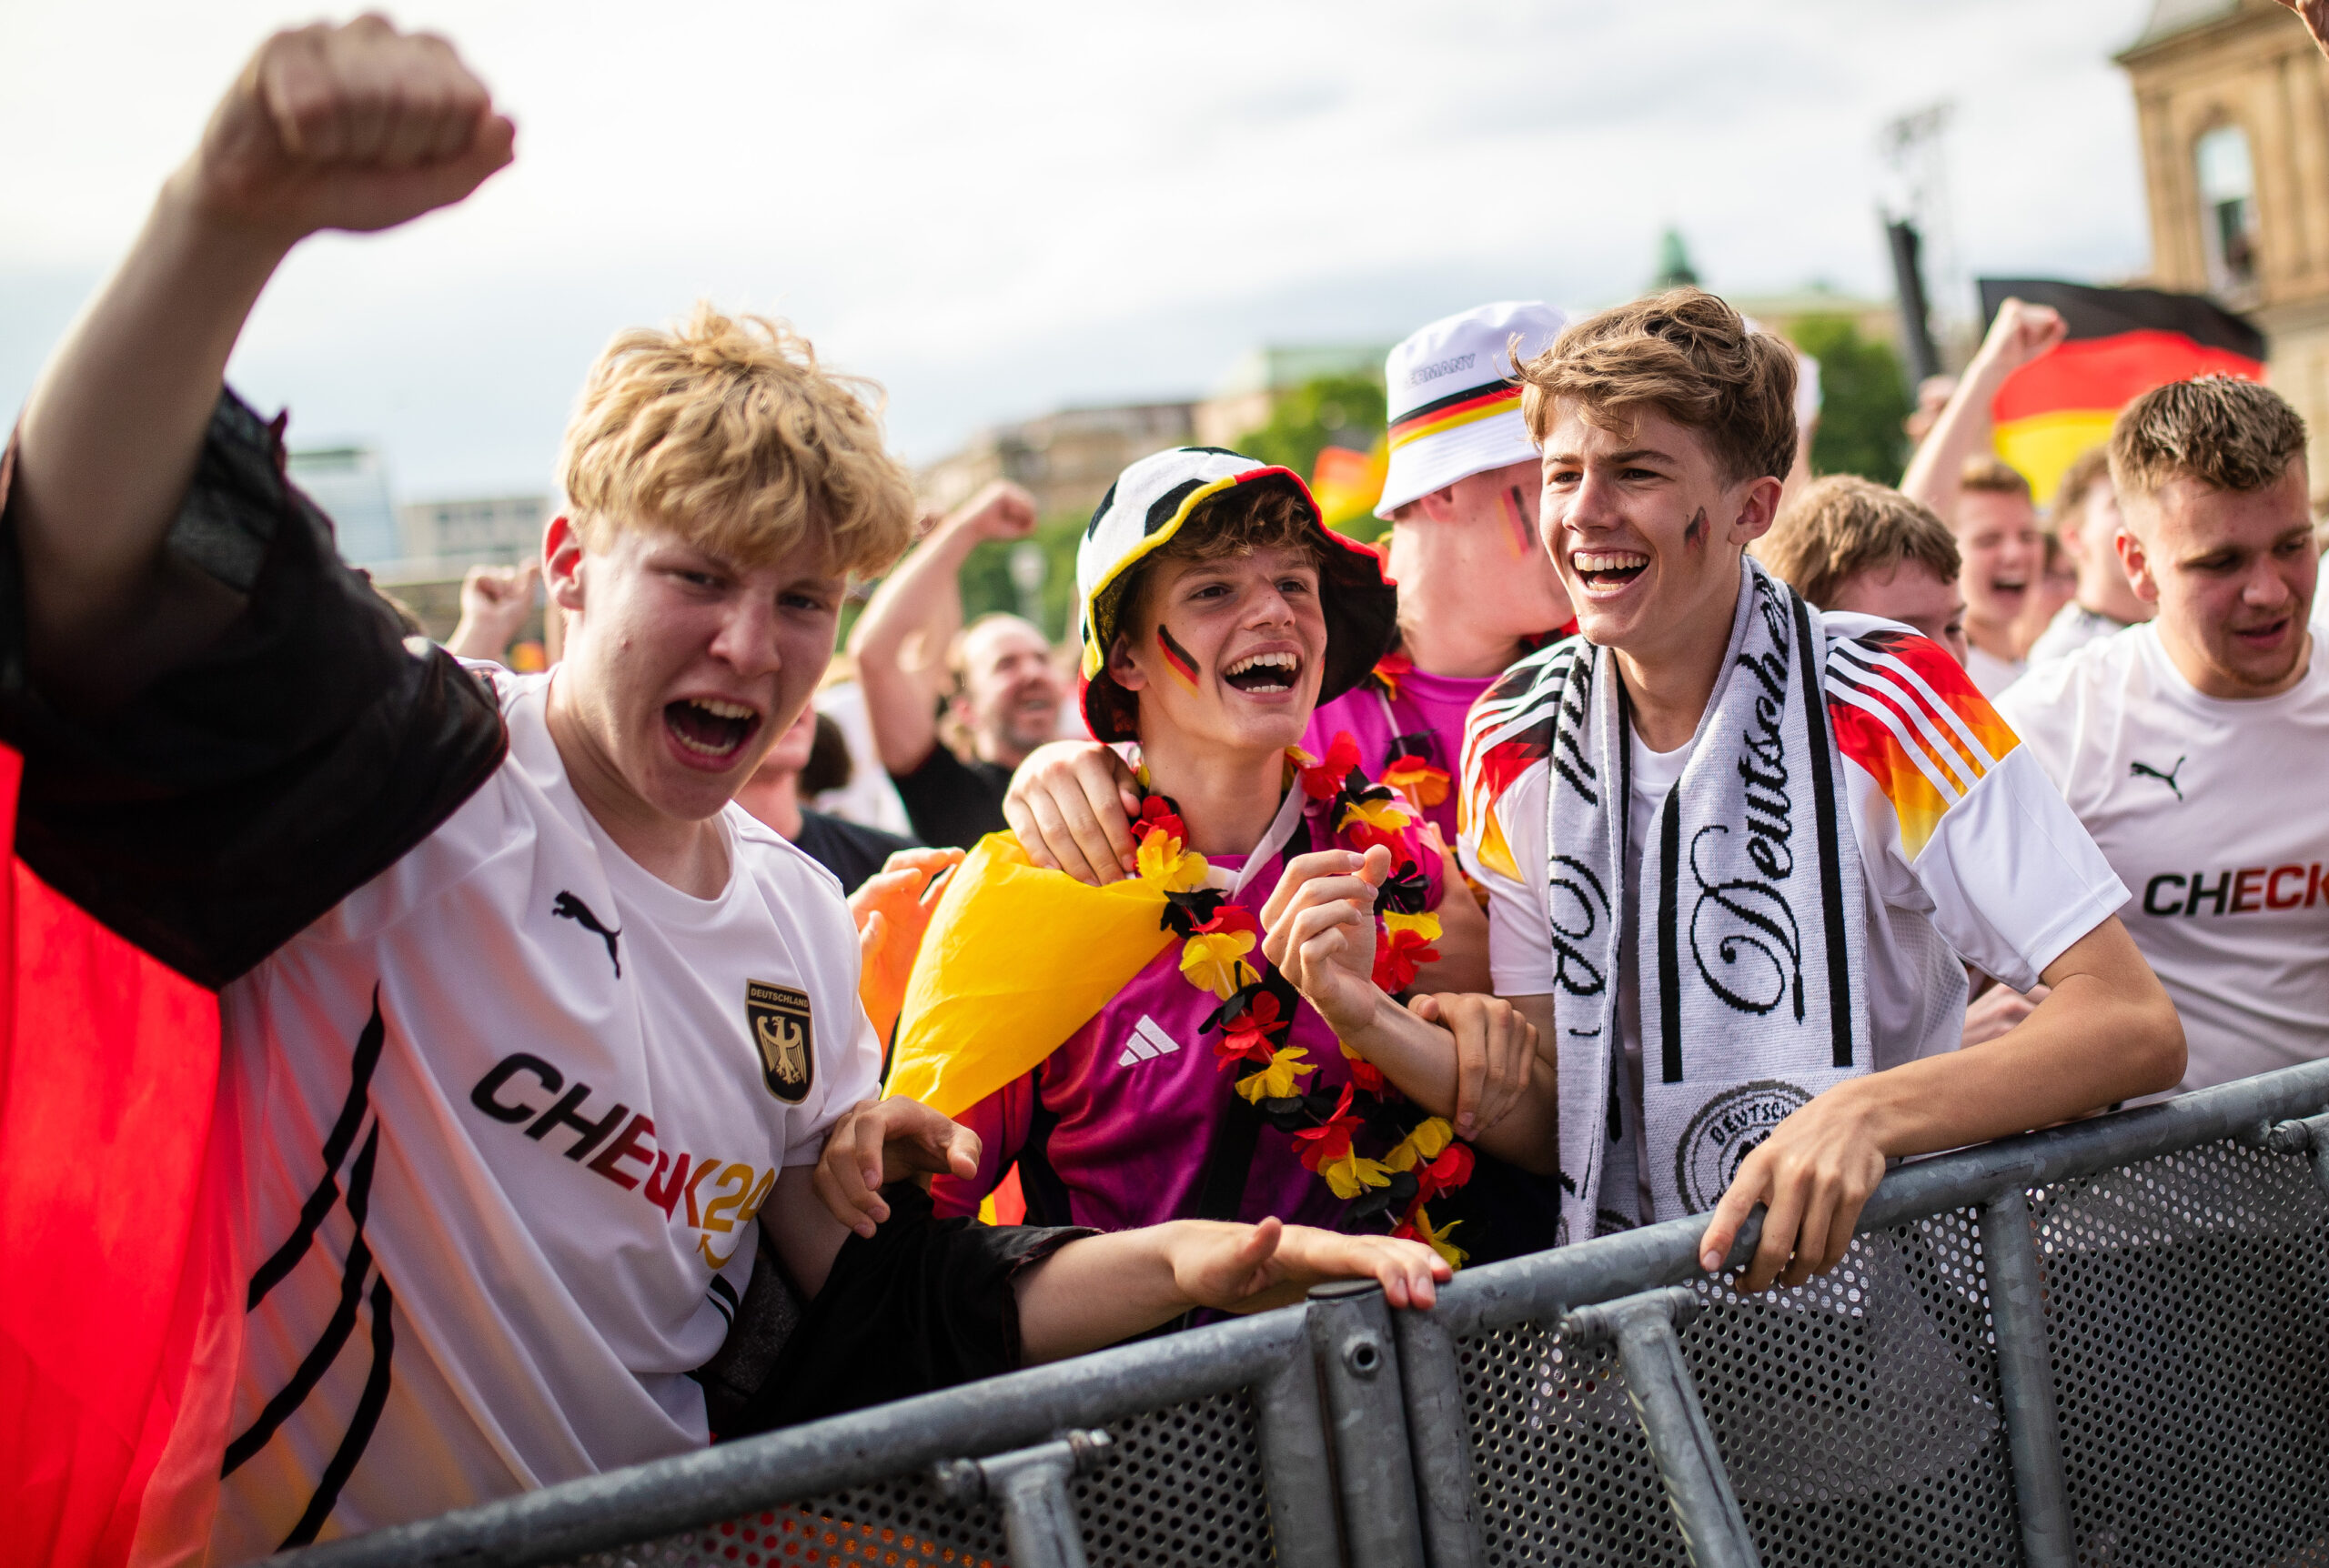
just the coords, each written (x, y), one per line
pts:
(1562, 1471)
(1858, 1414)
(1858, 1417)
(1184, 1486)
(2187, 1303)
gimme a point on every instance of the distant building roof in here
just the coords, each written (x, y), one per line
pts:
(2169, 17)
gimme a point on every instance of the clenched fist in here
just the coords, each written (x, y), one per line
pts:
(352, 127)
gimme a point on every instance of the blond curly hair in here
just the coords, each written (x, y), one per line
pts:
(727, 432)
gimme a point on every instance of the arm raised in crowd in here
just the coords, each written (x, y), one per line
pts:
(2020, 334)
(924, 591)
(354, 127)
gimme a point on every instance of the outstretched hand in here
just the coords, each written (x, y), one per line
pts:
(351, 127)
(878, 1142)
(1245, 1268)
(893, 909)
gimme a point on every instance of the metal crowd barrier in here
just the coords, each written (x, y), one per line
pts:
(2105, 1345)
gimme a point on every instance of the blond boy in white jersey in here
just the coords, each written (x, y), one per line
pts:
(2194, 746)
(530, 1036)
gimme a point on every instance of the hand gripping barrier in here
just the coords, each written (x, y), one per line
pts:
(2106, 1344)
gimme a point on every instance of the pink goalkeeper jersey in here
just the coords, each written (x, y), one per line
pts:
(1122, 1114)
(1429, 713)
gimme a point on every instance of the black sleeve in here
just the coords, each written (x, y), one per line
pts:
(242, 794)
(951, 803)
(923, 1303)
(849, 850)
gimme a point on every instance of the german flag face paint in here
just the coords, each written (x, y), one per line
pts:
(1178, 659)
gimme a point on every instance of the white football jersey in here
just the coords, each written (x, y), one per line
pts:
(506, 1115)
(2211, 810)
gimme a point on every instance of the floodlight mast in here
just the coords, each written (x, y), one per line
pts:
(1919, 233)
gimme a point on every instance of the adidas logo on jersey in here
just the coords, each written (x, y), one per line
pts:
(1146, 1042)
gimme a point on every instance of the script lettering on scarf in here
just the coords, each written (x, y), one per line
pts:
(1577, 894)
(1744, 920)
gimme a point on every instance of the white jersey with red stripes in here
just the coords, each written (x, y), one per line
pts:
(1968, 853)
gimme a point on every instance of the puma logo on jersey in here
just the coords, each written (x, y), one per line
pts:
(566, 907)
(1146, 1042)
(2145, 771)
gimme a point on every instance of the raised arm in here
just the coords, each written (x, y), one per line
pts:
(2020, 334)
(354, 127)
(924, 589)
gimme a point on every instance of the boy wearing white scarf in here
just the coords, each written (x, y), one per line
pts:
(1735, 847)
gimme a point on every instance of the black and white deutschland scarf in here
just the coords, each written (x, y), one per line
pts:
(1750, 914)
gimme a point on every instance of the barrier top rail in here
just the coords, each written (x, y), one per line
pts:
(645, 1502)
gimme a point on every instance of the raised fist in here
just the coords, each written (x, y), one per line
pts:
(353, 128)
(2020, 333)
(1001, 510)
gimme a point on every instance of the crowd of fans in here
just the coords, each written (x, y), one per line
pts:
(1363, 911)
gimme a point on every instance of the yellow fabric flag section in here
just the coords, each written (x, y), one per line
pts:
(1015, 960)
(2041, 445)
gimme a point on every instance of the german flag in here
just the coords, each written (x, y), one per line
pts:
(2123, 343)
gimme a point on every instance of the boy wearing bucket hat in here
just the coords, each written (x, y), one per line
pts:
(1126, 1044)
(1476, 593)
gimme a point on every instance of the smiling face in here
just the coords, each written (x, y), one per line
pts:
(2232, 573)
(682, 668)
(1010, 689)
(1646, 529)
(1997, 533)
(1224, 654)
(1485, 525)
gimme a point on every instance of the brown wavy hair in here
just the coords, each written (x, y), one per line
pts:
(1686, 354)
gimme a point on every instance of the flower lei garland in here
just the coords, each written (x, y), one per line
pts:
(1409, 768)
(1421, 1158)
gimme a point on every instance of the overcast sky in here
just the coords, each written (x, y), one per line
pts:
(1000, 206)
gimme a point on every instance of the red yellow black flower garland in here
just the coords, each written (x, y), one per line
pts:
(1420, 1157)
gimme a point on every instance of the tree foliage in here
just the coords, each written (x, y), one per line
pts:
(1340, 410)
(1864, 399)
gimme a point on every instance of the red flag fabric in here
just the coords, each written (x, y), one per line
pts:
(119, 1322)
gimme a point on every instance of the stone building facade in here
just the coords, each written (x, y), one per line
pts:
(1067, 460)
(2233, 101)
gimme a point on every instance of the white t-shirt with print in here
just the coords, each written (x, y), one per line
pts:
(2002, 876)
(554, 1091)
(2216, 813)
